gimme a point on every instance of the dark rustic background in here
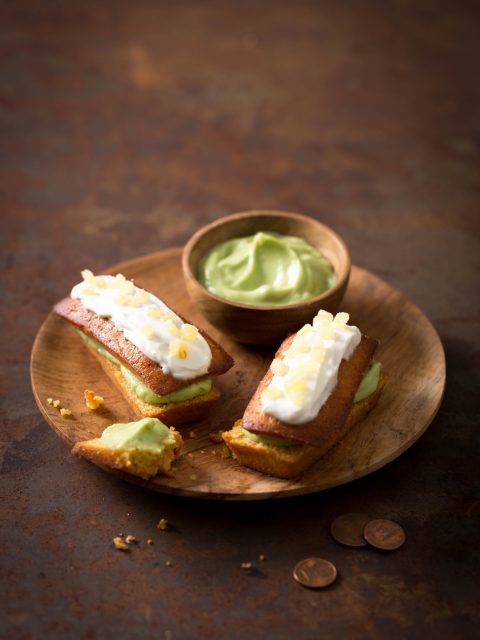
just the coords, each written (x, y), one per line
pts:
(124, 127)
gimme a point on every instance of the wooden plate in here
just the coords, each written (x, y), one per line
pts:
(410, 351)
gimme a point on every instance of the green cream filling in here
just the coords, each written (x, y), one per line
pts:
(266, 269)
(367, 387)
(143, 392)
(149, 433)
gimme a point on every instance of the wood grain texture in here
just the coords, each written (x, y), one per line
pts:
(410, 350)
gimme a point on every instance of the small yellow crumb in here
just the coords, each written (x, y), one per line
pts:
(214, 453)
(65, 412)
(190, 455)
(92, 400)
(50, 401)
(168, 563)
(261, 557)
(193, 477)
(149, 541)
(130, 538)
(192, 434)
(163, 524)
(56, 404)
(246, 565)
(202, 451)
(120, 544)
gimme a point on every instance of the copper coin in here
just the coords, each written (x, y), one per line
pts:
(315, 573)
(348, 529)
(384, 534)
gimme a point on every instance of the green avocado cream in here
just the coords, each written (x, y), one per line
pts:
(369, 382)
(266, 269)
(148, 433)
(143, 392)
(367, 387)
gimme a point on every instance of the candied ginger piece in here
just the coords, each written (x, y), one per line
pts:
(189, 332)
(88, 276)
(279, 367)
(147, 330)
(156, 312)
(322, 318)
(172, 328)
(305, 330)
(88, 291)
(271, 393)
(341, 319)
(142, 296)
(119, 280)
(296, 390)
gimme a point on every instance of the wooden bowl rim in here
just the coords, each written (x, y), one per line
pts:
(341, 281)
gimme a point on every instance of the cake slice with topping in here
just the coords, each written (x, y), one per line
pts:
(144, 448)
(163, 365)
(321, 383)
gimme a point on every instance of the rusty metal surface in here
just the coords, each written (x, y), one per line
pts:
(126, 125)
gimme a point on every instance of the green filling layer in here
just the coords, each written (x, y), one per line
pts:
(266, 269)
(149, 433)
(143, 392)
(367, 387)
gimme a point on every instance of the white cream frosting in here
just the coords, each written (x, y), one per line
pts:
(307, 374)
(149, 324)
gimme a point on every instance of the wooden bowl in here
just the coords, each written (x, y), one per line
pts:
(253, 324)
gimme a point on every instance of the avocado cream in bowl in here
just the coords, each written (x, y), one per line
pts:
(266, 268)
(259, 275)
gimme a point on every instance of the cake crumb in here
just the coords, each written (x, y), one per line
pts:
(163, 524)
(56, 403)
(190, 455)
(149, 541)
(246, 565)
(65, 412)
(192, 434)
(261, 557)
(168, 563)
(50, 401)
(92, 400)
(193, 477)
(130, 538)
(225, 453)
(120, 544)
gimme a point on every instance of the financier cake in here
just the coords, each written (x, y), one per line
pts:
(164, 366)
(321, 383)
